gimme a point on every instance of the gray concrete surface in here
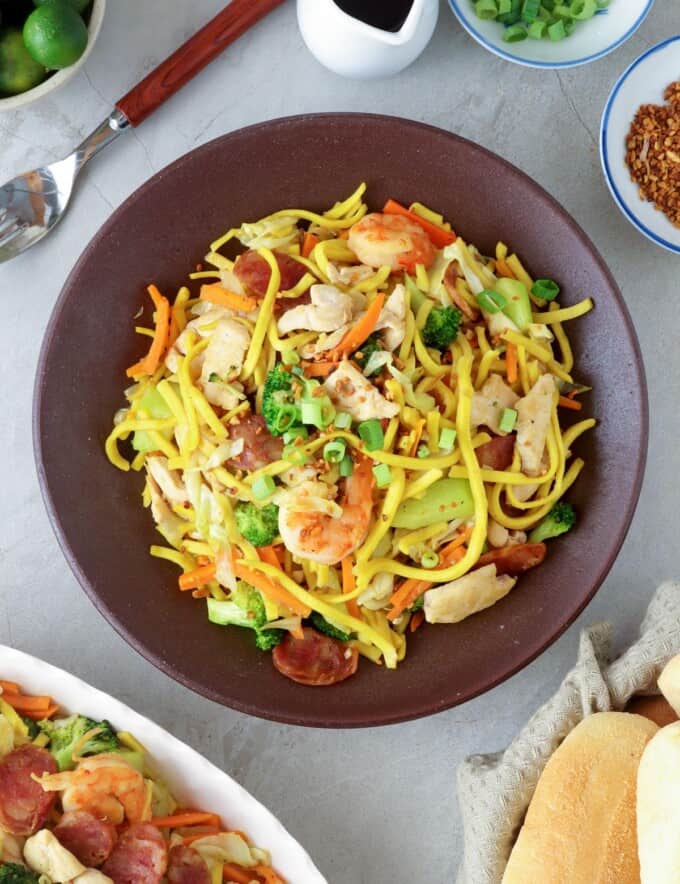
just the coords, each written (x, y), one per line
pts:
(376, 805)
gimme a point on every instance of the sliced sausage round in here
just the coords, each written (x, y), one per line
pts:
(498, 453)
(139, 857)
(260, 447)
(24, 805)
(514, 560)
(254, 272)
(187, 866)
(89, 839)
(316, 659)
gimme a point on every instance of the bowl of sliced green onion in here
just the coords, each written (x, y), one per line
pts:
(551, 33)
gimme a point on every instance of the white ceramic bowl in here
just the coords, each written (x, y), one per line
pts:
(644, 82)
(57, 80)
(605, 32)
(193, 779)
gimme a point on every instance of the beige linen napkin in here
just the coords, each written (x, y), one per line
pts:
(494, 791)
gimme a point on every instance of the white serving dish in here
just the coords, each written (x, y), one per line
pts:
(593, 39)
(58, 79)
(351, 48)
(192, 779)
(644, 82)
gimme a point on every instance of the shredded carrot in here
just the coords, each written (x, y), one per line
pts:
(51, 710)
(10, 686)
(511, 363)
(438, 235)
(269, 555)
(416, 441)
(203, 560)
(349, 585)
(308, 244)
(356, 336)
(269, 875)
(318, 369)
(272, 590)
(186, 818)
(201, 593)
(416, 621)
(151, 361)
(198, 577)
(237, 874)
(24, 703)
(502, 269)
(217, 294)
(571, 404)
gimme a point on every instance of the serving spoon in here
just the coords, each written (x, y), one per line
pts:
(33, 202)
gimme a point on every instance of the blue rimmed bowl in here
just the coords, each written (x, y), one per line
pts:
(606, 31)
(644, 82)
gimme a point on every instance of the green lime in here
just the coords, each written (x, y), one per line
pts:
(79, 5)
(55, 34)
(18, 71)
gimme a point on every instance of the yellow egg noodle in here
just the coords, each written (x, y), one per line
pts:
(350, 423)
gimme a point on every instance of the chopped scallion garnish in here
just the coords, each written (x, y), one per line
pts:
(371, 434)
(508, 420)
(263, 487)
(383, 475)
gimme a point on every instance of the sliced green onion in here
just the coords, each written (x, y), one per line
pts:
(286, 417)
(513, 15)
(447, 439)
(383, 475)
(295, 454)
(514, 34)
(545, 289)
(491, 302)
(334, 451)
(423, 451)
(429, 559)
(318, 411)
(346, 466)
(530, 10)
(486, 9)
(508, 420)
(560, 10)
(290, 357)
(537, 30)
(504, 7)
(263, 487)
(371, 434)
(295, 433)
(557, 31)
(298, 371)
(342, 420)
(582, 10)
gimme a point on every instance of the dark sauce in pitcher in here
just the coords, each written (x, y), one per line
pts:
(388, 15)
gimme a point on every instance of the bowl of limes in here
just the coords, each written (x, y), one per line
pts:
(42, 44)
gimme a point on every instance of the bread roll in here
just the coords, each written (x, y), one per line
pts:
(656, 708)
(658, 808)
(580, 826)
(669, 683)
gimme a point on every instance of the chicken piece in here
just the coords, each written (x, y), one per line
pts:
(201, 326)
(454, 601)
(93, 876)
(355, 394)
(169, 481)
(489, 402)
(46, 856)
(496, 534)
(349, 275)
(330, 308)
(533, 420)
(224, 358)
(392, 319)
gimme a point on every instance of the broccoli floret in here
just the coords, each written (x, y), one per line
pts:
(65, 734)
(327, 628)
(13, 873)
(258, 524)
(442, 326)
(33, 729)
(371, 345)
(246, 609)
(279, 407)
(268, 639)
(559, 520)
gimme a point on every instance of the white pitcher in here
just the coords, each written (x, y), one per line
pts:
(352, 48)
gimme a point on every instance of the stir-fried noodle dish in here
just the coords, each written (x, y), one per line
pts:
(355, 427)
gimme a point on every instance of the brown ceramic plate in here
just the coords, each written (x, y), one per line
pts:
(158, 235)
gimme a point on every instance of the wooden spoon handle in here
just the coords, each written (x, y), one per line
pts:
(169, 77)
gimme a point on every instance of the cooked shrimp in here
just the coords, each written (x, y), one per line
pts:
(390, 241)
(105, 785)
(325, 538)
